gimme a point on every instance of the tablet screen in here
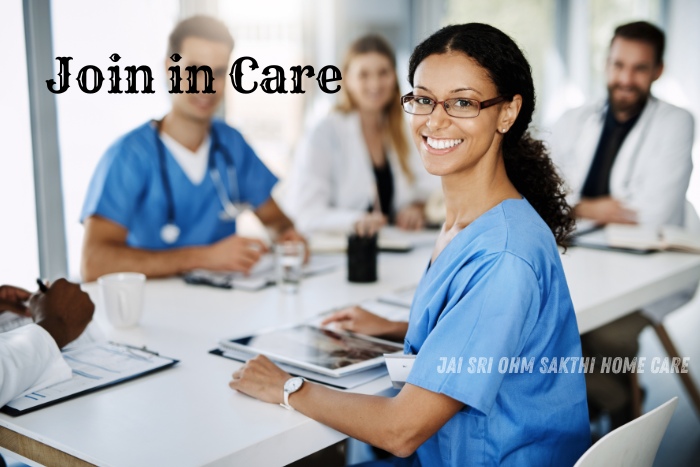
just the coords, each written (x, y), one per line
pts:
(321, 347)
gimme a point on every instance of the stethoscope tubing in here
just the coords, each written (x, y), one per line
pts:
(227, 201)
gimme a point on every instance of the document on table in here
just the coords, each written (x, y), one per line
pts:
(263, 273)
(598, 239)
(95, 366)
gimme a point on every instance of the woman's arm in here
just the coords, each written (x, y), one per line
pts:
(398, 425)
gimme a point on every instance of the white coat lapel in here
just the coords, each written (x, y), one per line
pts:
(364, 186)
(629, 153)
(590, 131)
(402, 189)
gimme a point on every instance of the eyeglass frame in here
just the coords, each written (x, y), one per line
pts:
(482, 105)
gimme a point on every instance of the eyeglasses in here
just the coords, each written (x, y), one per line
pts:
(459, 107)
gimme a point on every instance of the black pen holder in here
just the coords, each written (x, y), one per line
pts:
(362, 258)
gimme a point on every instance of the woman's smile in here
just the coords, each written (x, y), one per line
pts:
(440, 145)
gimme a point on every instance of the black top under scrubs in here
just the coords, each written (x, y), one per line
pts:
(611, 139)
(385, 190)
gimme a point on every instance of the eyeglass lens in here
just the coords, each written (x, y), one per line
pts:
(457, 107)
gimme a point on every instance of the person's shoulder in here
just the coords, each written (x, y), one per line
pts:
(137, 145)
(226, 131)
(486, 235)
(528, 236)
(333, 121)
(232, 139)
(337, 117)
(329, 129)
(582, 112)
(511, 235)
(672, 114)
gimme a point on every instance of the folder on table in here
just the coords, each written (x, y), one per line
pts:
(95, 366)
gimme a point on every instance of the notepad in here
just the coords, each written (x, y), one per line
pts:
(640, 239)
(668, 237)
(95, 366)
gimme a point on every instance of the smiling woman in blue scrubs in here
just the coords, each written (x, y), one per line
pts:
(494, 287)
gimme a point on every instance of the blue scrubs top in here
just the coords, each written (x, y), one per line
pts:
(127, 188)
(498, 290)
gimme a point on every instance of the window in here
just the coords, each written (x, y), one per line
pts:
(271, 33)
(605, 16)
(19, 255)
(88, 124)
(528, 22)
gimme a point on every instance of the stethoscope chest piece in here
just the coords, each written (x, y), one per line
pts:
(169, 233)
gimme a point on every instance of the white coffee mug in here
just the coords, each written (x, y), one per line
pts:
(122, 296)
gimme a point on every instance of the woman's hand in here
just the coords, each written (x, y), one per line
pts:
(261, 379)
(370, 224)
(411, 217)
(361, 321)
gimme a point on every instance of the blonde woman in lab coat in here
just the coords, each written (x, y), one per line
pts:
(357, 164)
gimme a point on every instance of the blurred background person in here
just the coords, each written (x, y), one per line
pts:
(357, 164)
(165, 197)
(628, 157)
(627, 160)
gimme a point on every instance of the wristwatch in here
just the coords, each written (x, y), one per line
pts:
(290, 387)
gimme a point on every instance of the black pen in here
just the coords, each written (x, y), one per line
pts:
(42, 286)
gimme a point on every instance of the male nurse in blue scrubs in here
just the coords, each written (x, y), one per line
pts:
(164, 197)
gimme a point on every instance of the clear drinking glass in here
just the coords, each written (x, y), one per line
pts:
(289, 261)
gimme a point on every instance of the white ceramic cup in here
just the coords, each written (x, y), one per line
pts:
(122, 296)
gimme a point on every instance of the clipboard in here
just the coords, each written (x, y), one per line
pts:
(95, 366)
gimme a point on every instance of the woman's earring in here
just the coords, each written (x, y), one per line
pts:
(503, 130)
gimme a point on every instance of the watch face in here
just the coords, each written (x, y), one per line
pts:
(293, 384)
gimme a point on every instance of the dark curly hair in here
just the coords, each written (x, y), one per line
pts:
(527, 161)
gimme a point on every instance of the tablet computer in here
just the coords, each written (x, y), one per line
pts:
(324, 351)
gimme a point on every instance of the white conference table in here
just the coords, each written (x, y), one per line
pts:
(188, 416)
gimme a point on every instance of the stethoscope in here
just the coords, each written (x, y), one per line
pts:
(170, 232)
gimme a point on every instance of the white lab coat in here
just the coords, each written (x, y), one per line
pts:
(331, 182)
(651, 172)
(29, 360)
